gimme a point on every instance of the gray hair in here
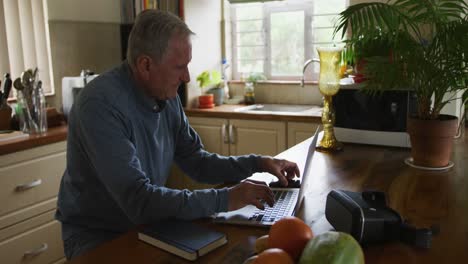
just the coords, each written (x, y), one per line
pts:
(151, 33)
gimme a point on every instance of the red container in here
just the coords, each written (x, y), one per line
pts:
(206, 101)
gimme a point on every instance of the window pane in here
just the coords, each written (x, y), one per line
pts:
(329, 6)
(249, 11)
(324, 21)
(313, 70)
(323, 35)
(249, 25)
(250, 66)
(287, 43)
(249, 53)
(253, 38)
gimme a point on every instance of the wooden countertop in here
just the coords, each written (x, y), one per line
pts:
(54, 134)
(229, 111)
(423, 198)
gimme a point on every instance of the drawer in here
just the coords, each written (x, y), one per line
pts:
(29, 182)
(39, 245)
(26, 225)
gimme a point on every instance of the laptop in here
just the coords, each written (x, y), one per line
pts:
(287, 201)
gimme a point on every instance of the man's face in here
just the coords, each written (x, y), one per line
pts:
(166, 76)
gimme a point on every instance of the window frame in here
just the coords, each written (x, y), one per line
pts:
(268, 10)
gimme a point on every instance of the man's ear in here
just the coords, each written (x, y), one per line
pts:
(143, 65)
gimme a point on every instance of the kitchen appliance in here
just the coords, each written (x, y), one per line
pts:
(373, 119)
(71, 88)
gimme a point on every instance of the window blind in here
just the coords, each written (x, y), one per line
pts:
(24, 41)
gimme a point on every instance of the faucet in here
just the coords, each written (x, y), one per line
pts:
(305, 67)
(85, 74)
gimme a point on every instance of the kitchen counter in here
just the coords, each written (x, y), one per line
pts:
(231, 111)
(54, 134)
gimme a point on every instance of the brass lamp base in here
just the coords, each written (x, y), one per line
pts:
(329, 146)
(328, 143)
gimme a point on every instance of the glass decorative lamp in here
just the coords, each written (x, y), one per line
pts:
(329, 85)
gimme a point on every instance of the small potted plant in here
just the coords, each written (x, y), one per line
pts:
(422, 46)
(212, 81)
(249, 86)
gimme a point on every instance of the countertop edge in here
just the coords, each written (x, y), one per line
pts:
(53, 135)
(228, 111)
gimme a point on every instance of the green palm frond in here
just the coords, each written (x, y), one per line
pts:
(370, 19)
(420, 45)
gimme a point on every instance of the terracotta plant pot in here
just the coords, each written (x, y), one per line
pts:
(432, 140)
(206, 101)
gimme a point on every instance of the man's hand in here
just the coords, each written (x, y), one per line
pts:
(250, 192)
(282, 169)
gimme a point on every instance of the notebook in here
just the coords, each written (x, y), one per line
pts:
(182, 238)
(287, 201)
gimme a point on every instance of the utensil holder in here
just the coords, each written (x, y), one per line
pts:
(32, 113)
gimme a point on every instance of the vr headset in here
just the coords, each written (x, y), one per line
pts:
(368, 219)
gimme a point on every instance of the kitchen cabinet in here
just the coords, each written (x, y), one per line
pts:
(299, 131)
(214, 133)
(258, 137)
(240, 137)
(29, 183)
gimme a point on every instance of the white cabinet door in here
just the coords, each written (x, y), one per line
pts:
(258, 137)
(213, 132)
(298, 132)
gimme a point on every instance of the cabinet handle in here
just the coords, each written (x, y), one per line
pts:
(231, 135)
(35, 252)
(223, 134)
(26, 186)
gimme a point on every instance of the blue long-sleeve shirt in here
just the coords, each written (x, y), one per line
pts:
(121, 145)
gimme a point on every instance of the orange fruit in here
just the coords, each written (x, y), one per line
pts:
(261, 244)
(273, 256)
(290, 234)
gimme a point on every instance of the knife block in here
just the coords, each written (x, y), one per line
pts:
(5, 118)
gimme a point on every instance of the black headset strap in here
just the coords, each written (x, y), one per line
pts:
(420, 238)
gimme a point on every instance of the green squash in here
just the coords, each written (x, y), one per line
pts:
(332, 248)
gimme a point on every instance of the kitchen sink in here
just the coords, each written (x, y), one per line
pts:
(275, 108)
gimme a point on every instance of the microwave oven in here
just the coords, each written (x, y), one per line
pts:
(378, 119)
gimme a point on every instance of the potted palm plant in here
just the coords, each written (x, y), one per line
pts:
(420, 45)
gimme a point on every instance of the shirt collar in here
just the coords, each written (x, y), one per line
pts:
(149, 103)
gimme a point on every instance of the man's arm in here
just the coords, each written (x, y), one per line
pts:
(207, 167)
(105, 138)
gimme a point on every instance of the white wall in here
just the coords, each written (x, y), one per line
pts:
(84, 34)
(85, 10)
(204, 18)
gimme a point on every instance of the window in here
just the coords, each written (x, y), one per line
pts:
(276, 38)
(23, 41)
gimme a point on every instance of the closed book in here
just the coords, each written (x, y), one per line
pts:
(184, 239)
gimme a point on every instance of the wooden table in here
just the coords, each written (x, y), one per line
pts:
(423, 198)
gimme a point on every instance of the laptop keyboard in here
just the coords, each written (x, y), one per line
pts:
(283, 202)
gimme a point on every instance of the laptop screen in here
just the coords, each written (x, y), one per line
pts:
(305, 174)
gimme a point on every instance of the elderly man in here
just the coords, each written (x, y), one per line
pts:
(126, 129)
